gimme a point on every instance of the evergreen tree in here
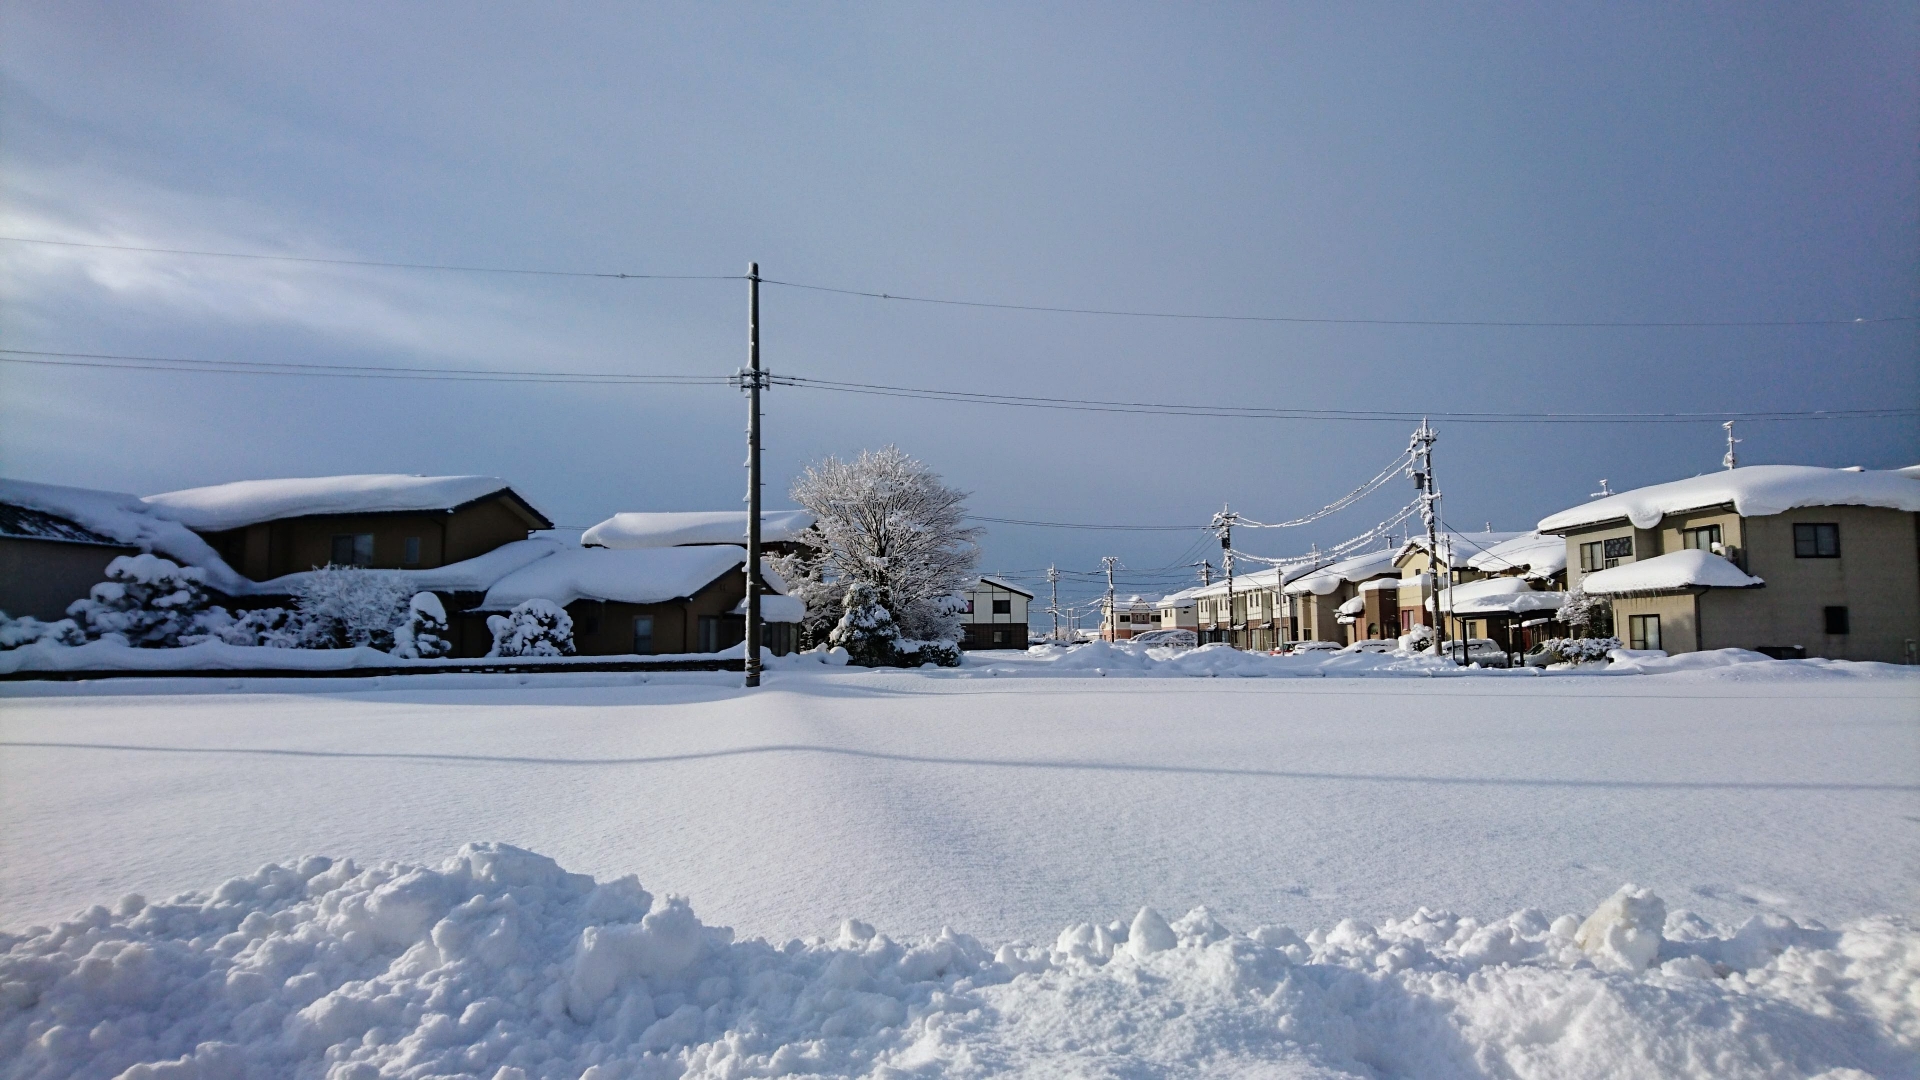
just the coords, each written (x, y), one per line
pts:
(146, 600)
(866, 629)
(534, 628)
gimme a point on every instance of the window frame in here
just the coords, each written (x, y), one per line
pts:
(637, 650)
(1637, 631)
(1807, 537)
(358, 554)
(1692, 538)
(1003, 607)
(410, 551)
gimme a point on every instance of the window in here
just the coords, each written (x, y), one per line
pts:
(412, 555)
(967, 609)
(999, 637)
(1705, 538)
(1003, 607)
(1816, 541)
(1620, 547)
(353, 550)
(1837, 622)
(709, 633)
(1591, 558)
(643, 634)
(1643, 631)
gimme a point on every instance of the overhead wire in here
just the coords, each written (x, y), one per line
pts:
(261, 257)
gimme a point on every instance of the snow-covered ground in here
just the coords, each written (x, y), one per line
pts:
(999, 803)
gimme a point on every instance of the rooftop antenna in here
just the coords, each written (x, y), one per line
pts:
(1603, 492)
(1730, 461)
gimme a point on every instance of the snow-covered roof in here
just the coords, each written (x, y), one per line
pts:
(1462, 545)
(1683, 569)
(1328, 579)
(996, 583)
(640, 576)
(1383, 584)
(125, 519)
(659, 530)
(1753, 491)
(1539, 554)
(776, 608)
(249, 502)
(477, 574)
(1354, 606)
(1497, 595)
(1181, 598)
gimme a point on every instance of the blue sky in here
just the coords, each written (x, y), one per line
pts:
(1611, 162)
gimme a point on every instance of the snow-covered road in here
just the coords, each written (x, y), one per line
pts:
(1004, 806)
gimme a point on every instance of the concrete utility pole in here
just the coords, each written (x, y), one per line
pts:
(1730, 461)
(1053, 599)
(1223, 526)
(1113, 624)
(753, 379)
(1422, 472)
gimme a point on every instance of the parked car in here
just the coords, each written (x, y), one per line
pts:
(1172, 638)
(1541, 656)
(1483, 651)
(1298, 647)
(1372, 645)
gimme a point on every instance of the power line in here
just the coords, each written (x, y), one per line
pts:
(1340, 322)
(1070, 525)
(125, 362)
(374, 263)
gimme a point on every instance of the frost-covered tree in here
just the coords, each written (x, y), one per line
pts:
(534, 628)
(424, 635)
(342, 607)
(888, 521)
(26, 630)
(866, 628)
(1586, 616)
(274, 627)
(146, 600)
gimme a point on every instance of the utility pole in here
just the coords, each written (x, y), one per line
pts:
(1223, 525)
(1422, 472)
(1113, 624)
(1730, 461)
(1206, 571)
(1053, 598)
(753, 379)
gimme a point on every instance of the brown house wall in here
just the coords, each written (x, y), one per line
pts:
(272, 548)
(41, 577)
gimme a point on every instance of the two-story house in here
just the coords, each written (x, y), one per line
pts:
(993, 615)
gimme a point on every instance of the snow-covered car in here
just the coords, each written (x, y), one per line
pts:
(1483, 651)
(1172, 638)
(1299, 647)
(1371, 645)
(1541, 656)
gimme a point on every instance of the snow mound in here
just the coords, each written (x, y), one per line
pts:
(1684, 569)
(1755, 491)
(633, 575)
(657, 530)
(500, 964)
(128, 520)
(248, 502)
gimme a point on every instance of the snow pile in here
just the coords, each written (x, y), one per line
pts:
(1684, 569)
(1327, 580)
(634, 576)
(638, 530)
(129, 521)
(499, 964)
(1497, 595)
(1539, 555)
(248, 502)
(1755, 491)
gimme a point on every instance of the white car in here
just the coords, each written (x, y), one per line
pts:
(1298, 647)
(1483, 651)
(1372, 645)
(1171, 638)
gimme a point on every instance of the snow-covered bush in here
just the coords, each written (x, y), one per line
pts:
(866, 629)
(424, 635)
(888, 521)
(1418, 637)
(937, 653)
(1585, 614)
(1581, 650)
(26, 630)
(146, 600)
(346, 606)
(535, 628)
(274, 627)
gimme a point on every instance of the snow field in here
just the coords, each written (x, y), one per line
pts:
(497, 963)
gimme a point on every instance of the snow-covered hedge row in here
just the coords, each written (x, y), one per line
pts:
(1581, 650)
(499, 964)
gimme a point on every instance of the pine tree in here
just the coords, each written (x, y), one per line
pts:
(424, 635)
(866, 629)
(146, 600)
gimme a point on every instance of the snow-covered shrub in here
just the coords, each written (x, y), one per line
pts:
(1581, 650)
(1585, 614)
(866, 629)
(26, 630)
(274, 627)
(937, 653)
(346, 606)
(424, 635)
(146, 600)
(535, 628)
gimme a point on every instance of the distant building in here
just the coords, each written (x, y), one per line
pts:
(1790, 560)
(1128, 617)
(994, 615)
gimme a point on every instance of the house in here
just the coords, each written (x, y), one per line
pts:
(56, 542)
(993, 615)
(779, 530)
(1330, 604)
(266, 529)
(1126, 618)
(1178, 611)
(1789, 560)
(1515, 589)
(1454, 565)
(1250, 615)
(686, 599)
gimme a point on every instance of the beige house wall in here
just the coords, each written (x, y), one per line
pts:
(1646, 544)
(1679, 619)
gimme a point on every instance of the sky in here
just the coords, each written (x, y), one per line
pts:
(1610, 162)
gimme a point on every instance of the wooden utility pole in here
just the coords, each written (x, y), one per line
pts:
(754, 380)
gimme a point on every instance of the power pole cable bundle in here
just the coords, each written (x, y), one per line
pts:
(1223, 526)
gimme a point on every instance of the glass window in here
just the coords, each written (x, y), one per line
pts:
(1620, 547)
(1643, 631)
(1819, 541)
(968, 608)
(1705, 538)
(1003, 607)
(1837, 622)
(1591, 558)
(643, 634)
(353, 550)
(412, 555)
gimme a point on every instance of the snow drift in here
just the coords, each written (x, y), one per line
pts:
(500, 964)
